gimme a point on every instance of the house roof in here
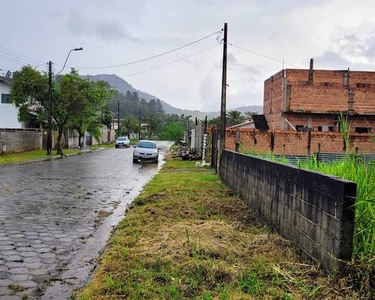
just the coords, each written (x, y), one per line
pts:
(5, 80)
(248, 122)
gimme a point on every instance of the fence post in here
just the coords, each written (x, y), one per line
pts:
(308, 142)
(238, 137)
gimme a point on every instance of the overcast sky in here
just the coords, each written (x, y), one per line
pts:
(337, 34)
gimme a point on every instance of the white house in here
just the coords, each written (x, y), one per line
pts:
(8, 112)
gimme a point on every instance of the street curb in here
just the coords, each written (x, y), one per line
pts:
(33, 161)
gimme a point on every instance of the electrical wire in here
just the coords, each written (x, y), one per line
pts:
(265, 56)
(26, 60)
(172, 62)
(151, 57)
(21, 55)
(151, 69)
(16, 58)
(18, 61)
(12, 60)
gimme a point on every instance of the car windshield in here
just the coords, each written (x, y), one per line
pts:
(149, 145)
(121, 138)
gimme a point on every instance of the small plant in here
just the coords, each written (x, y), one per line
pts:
(201, 209)
(111, 284)
(17, 288)
(251, 282)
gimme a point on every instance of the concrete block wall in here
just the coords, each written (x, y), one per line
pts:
(20, 140)
(312, 210)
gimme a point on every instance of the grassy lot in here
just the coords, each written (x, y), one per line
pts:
(31, 155)
(38, 154)
(188, 237)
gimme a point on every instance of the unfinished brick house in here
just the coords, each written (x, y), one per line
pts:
(311, 100)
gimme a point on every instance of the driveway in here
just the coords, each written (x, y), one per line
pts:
(56, 216)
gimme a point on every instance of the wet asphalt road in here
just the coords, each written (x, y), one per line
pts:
(56, 216)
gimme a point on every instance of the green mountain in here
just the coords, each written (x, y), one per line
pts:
(123, 86)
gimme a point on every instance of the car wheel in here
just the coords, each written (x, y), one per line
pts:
(135, 160)
(116, 146)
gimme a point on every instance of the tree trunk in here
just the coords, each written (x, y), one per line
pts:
(80, 140)
(59, 145)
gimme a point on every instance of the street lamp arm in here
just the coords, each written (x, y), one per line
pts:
(66, 60)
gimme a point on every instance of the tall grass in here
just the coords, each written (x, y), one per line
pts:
(363, 174)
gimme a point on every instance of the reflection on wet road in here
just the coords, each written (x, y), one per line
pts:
(56, 216)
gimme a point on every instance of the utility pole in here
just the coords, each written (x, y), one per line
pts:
(49, 129)
(139, 124)
(118, 118)
(224, 92)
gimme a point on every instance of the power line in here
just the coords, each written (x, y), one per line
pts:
(151, 57)
(18, 54)
(12, 60)
(15, 57)
(18, 61)
(172, 62)
(265, 56)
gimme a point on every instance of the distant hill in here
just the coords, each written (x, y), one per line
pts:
(123, 86)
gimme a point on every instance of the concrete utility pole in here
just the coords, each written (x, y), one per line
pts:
(224, 91)
(139, 124)
(49, 129)
(118, 118)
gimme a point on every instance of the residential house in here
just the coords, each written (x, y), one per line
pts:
(312, 100)
(8, 112)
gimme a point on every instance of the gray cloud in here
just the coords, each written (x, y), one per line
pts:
(242, 67)
(106, 30)
(210, 95)
(370, 51)
(333, 60)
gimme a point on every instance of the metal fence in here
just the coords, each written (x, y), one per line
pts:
(295, 160)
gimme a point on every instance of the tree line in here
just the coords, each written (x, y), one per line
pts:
(78, 103)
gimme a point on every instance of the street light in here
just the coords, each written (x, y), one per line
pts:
(75, 49)
(49, 130)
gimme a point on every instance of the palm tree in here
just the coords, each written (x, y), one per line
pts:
(234, 117)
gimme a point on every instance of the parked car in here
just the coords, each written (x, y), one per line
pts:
(122, 141)
(146, 150)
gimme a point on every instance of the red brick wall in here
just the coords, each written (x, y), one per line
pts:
(250, 139)
(328, 142)
(331, 76)
(316, 120)
(273, 98)
(334, 96)
(318, 98)
(364, 100)
(329, 120)
(296, 143)
(290, 142)
(327, 94)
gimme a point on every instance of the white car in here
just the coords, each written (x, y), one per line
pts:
(122, 141)
(146, 150)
